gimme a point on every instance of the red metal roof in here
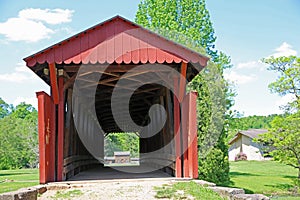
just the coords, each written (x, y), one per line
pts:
(116, 40)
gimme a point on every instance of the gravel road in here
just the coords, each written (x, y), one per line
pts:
(108, 190)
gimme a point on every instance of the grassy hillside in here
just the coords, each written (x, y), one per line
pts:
(266, 177)
(11, 180)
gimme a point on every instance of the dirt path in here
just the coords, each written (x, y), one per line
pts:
(115, 190)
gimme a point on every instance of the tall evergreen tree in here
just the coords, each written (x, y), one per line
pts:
(190, 19)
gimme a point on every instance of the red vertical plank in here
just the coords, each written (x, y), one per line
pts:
(60, 137)
(182, 83)
(42, 139)
(152, 55)
(135, 51)
(143, 49)
(190, 135)
(58, 55)
(101, 51)
(126, 48)
(84, 42)
(110, 45)
(101, 45)
(76, 50)
(31, 62)
(161, 56)
(118, 47)
(93, 39)
(169, 58)
(177, 59)
(50, 57)
(53, 81)
(41, 58)
(178, 167)
(46, 132)
(185, 134)
(193, 146)
(51, 122)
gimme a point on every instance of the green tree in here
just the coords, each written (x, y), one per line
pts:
(19, 138)
(284, 139)
(188, 22)
(288, 81)
(122, 142)
(5, 109)
(284, 134)
(23, 110)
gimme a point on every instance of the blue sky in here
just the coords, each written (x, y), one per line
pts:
(246, 30)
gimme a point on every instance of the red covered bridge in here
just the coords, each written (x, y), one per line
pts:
(90, 75)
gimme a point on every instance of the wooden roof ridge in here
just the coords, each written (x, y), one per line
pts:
(55, 53)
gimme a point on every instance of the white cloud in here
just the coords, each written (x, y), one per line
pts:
(29, 26)
(285, 100)
(251, 65)
(246, 65)
(20, 74)
(19, 29)
(239, 78)
(284, 49)
(28, 100)
(55, 16)
(21, 67)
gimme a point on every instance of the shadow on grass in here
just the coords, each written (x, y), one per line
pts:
(17, 173)
(247, 191)
(281, 186)
(234, 174)
(231, 185)
(291, 177)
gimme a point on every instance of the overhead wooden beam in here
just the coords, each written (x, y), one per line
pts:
(70, 82)
(53, 82)
(99, 71)
(66, 75)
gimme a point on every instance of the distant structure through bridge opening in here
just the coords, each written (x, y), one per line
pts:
(92, 76)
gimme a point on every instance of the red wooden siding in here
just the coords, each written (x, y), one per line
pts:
(189, 129)
(177, 133)
(116, 40)
(61, 127)
(46, 128)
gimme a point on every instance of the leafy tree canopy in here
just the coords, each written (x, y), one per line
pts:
(188, 22)
(5, 109)
(288, 81)
(284, 134)
(18, 136)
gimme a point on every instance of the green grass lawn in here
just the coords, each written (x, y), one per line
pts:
(186, 190)
(265, 177)
(11, 180)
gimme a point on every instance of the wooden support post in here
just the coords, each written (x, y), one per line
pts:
(190, 135)
(193, 140)
(46, 132)
(53, 82)
(178, 166)
(182, 84)
(60, 135)
(185, 134)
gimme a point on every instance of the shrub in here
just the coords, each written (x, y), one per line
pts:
(215, 167)
(240, 156)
